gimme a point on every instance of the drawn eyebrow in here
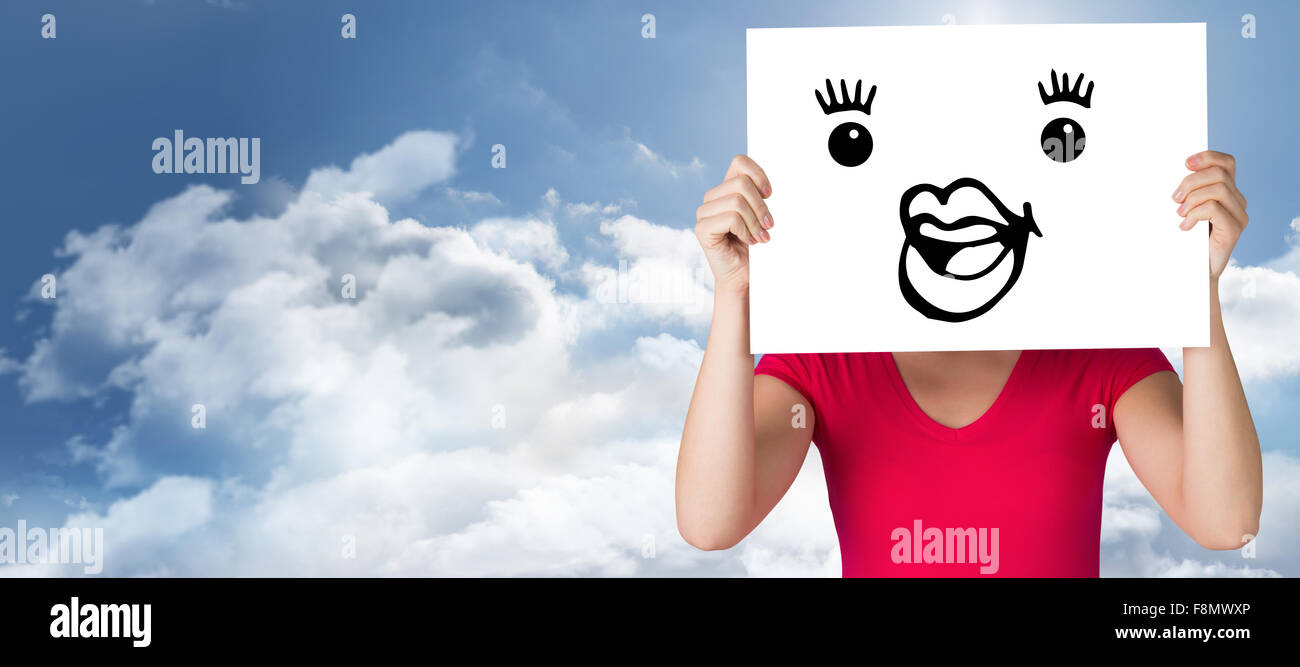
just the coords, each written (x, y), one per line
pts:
(1062, 93)
(845, 104)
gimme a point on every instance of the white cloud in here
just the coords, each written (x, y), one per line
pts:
(394, 173)
(661, 274)
(552, 201)
(169, 508)
(380, 408)
(1261, 313)
(471, 196)
(529, 240)
(1290, 260)
(147, 530)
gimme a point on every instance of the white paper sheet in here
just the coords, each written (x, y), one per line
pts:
(957, 110)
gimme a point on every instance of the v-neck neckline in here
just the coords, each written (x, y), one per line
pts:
(965, 432)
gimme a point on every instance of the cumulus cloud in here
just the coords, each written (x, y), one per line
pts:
(437, 412)
(384, 397)
(530, 240)
(554, 205)
(1261, 312)
(1290, 260)
(661, 273)
(395, 172)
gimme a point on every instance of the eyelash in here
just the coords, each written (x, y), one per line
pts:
(1062, 93)
(846, 104)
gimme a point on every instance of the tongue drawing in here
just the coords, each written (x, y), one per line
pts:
(938, 253)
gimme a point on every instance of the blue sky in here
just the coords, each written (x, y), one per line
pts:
(585, 107)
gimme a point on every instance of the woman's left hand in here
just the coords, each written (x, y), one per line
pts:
(1210, 193)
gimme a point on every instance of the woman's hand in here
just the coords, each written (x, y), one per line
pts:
(732, 218)
(1210, 193)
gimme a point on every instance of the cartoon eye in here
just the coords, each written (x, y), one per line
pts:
(850, 144)
(1062, 140)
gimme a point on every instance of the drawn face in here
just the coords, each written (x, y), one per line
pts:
(963, 248)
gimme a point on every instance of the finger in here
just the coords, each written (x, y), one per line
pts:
(741, 164)
(742, 185)
(1205, 159)
(1216, 192)
(728, 223)
(1208, 176)
(1211, 211)
(737, 203)
(715, 219)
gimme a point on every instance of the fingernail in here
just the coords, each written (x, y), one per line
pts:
(1191, 161)
(767, 221)
(1178, 196)
(1181, 207)
(766, 237)
(767, 191)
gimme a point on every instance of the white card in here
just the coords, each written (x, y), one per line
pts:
(949, 203)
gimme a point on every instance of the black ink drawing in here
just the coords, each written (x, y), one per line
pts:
(1063, 139)
(936, 242)
(850, 143)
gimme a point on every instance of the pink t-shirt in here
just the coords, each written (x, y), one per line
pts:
(1016, 493)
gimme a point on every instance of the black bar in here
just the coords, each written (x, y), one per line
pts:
(537, 617)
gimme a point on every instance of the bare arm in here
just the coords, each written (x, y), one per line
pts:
(1194, 447)
(740, 449)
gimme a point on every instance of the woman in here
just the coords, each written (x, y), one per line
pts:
(964, 463)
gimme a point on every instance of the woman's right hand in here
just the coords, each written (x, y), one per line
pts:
(732, 218)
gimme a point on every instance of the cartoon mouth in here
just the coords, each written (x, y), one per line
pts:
(961, 232)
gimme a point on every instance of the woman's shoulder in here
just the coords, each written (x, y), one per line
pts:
(813, 371)
(828, 379)
(1109, 371)
(1101, 360)
(829, 363)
